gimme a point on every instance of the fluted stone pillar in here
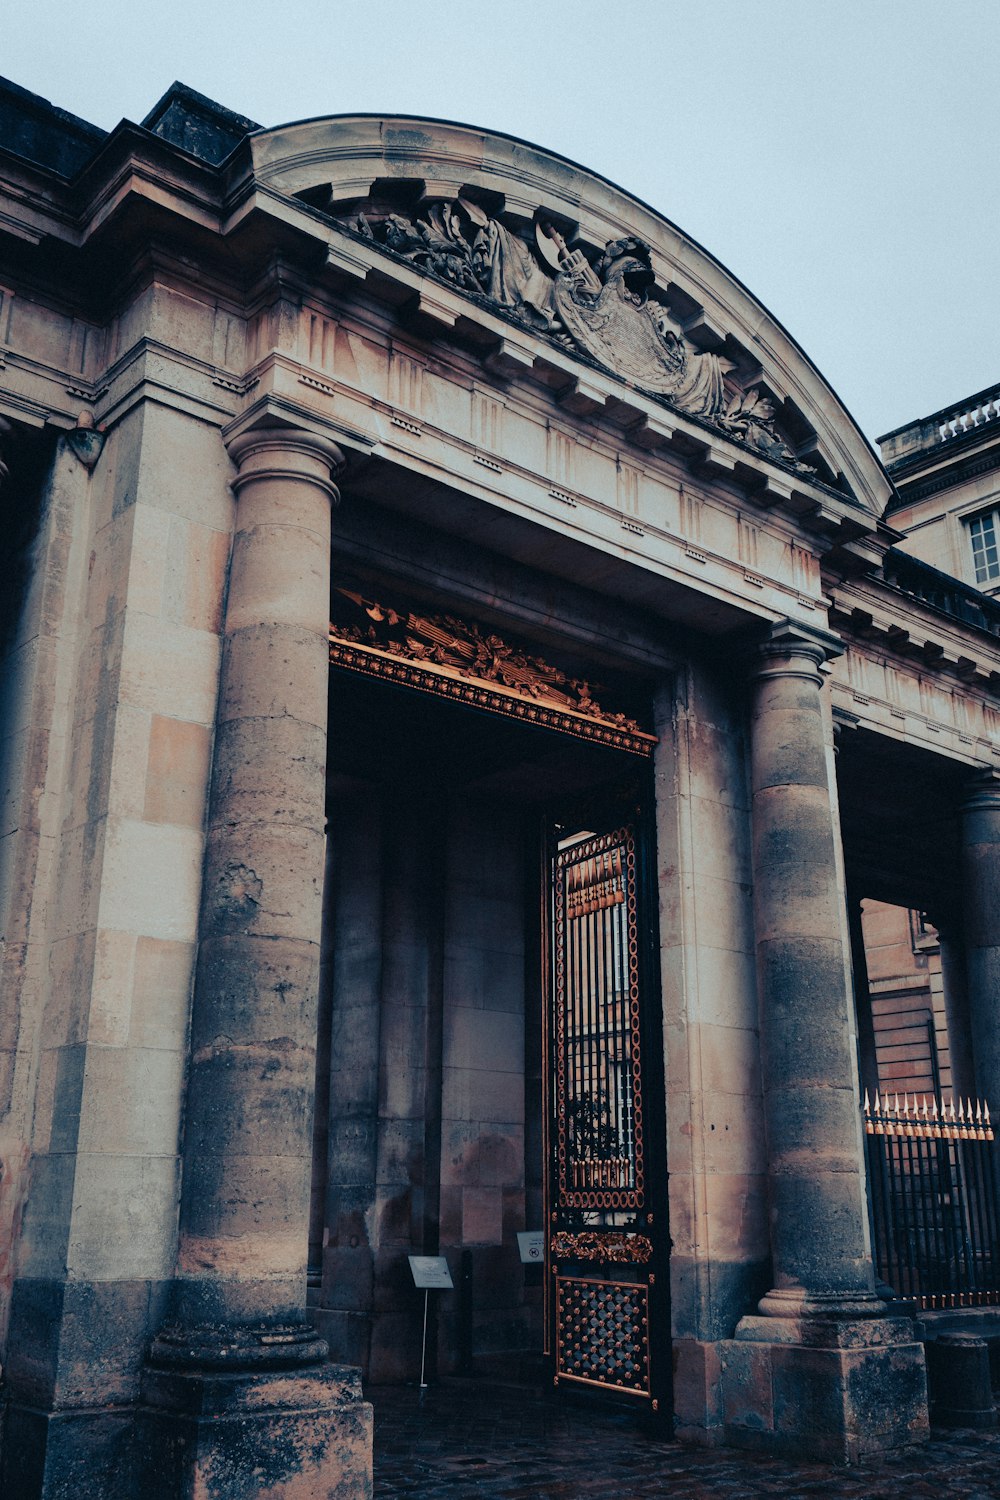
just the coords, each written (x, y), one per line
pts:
(238, 1349)
(820, 1369)
(981, 916)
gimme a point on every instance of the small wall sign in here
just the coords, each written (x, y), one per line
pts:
(430, 1272)
(531, 1244)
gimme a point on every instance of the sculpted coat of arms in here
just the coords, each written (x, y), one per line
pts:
(600, 307)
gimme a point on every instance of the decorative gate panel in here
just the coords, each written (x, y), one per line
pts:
(604, 1227)
(603, 1333)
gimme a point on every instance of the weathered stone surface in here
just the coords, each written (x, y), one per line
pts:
(958, 1377)
(177, 772)
(838, 1404)
(59, 1455)
(79, 1345)
(818, 1225)
(274, 670)
(495, 472)
(300, 1434)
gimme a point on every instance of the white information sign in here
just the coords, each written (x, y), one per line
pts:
(531, 1244)
(430, 1272)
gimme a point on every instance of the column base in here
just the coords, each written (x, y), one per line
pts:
(278, 1434)
(958, 1372)
(822, 1387)
(697, 1392)
(55, 1455)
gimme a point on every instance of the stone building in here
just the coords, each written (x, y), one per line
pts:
(459, 681)
(946, 470)
(903, 987)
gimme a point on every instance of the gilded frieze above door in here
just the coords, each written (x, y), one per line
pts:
(469, 663)
(601, 306)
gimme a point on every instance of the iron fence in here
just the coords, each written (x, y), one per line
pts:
(935, 1209)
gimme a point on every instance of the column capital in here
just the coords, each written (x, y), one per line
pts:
(286, 453)
(982, 791)
(790, 649)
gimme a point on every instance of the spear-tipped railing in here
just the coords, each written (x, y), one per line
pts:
(932, 1187)
(970, 1121)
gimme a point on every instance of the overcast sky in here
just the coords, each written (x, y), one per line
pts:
(839, 156)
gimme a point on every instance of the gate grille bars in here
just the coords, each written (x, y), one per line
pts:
(932, 1184)
(598, 1082)
(601, 1251)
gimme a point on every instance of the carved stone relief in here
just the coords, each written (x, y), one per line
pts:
(462, 660)
(601, 308)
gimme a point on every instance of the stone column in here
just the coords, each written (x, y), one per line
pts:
(818, 1240)
(800, 1381)
(240, 1287)
(956, 1006)
(981, 903)
(864, 1019)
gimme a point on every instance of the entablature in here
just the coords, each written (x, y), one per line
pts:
(898, 702)
(869, 609)
(913, 674)
(441, 425)
(729, 430)
(352, 346)
(605, 377)
(554, 273)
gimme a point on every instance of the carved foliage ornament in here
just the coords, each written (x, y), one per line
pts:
(608, 1247)
(454, 650)
(600, 309)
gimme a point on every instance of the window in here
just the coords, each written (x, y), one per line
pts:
(983, 535)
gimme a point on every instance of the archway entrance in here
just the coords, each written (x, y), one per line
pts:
(432, 1135)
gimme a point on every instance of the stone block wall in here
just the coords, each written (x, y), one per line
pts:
(135, 655)
(715, 1129)
(483, 1092)
(36, 680)
(426, 1146)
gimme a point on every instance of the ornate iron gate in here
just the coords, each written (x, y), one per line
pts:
(607, 1238)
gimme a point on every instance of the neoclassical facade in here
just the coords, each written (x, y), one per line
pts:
(459, 682)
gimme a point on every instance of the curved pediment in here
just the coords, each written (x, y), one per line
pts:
(579, 264)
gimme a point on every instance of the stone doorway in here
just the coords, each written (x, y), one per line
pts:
(429, 1100)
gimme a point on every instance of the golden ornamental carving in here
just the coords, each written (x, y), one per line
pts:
(462, 660)
(608, 1247)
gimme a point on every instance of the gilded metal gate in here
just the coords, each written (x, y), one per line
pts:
(607, 1173)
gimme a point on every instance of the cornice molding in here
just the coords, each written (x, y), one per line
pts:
(876, 615)
(348, 154)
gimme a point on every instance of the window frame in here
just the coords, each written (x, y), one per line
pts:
(990, 577)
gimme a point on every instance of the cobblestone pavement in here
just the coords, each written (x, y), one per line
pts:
(485, 1441)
